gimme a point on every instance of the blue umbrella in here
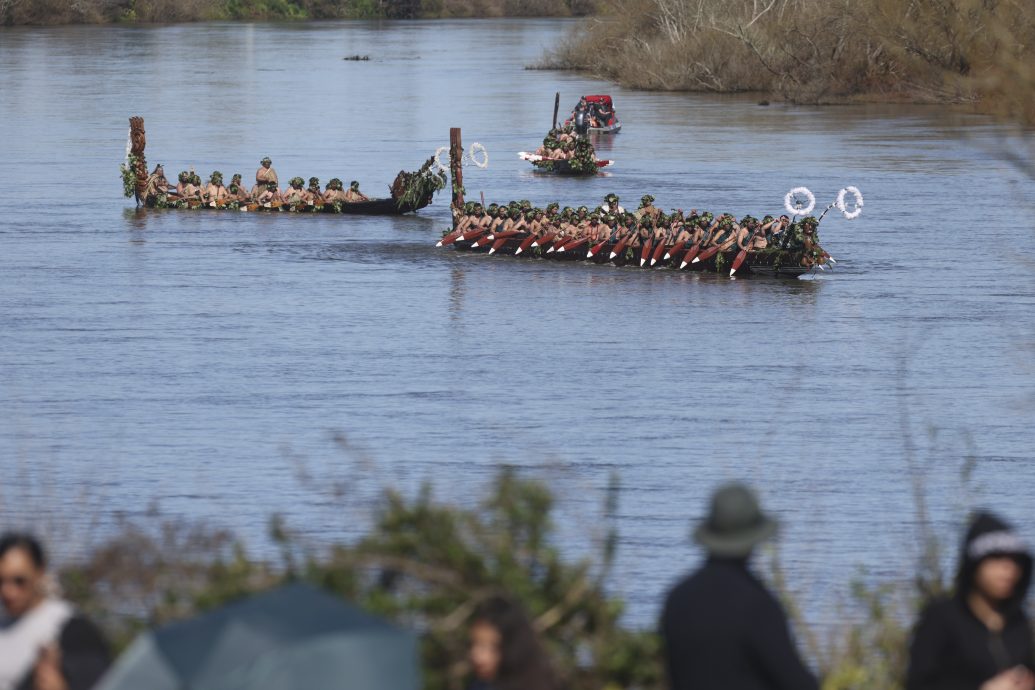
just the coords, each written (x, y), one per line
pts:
(292, 637)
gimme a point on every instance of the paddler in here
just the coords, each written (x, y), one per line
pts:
(236, 189)
(295, 194)
(215, 191)
(183, 179)
(271, 195)
(157, 185)
(191, 188)
(315, 197)
(354, 195)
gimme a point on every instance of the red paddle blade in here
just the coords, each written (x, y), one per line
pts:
(657, 253)
(472, 234)
(525, 245)
(617, 251)
(594, 249)
(738, 261)
(448, 239)
(645, 252)
(675, 250)
(708, 253)
(690, 254)
(497, 244)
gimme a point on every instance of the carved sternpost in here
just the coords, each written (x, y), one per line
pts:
(456, 168)
(138, 141)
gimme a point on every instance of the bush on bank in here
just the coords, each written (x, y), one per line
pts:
(37, 12)
(814, 51)
(426, 565)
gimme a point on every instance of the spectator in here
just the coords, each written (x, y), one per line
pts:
(44, 644)
(979, 639)
(722, 629)
(505, 653)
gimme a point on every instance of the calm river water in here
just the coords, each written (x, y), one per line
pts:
(206, 363)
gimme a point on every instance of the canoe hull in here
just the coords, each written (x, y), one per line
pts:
(779, 264)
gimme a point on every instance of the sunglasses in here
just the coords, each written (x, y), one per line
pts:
(19, 581)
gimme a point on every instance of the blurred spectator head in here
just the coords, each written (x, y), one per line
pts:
(735, 523)
(504, 648)
(22, 573)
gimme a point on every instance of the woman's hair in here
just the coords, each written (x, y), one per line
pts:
(523, 662)
(26, 543)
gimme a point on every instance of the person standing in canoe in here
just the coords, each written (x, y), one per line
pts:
(722, 628)
(264, 175)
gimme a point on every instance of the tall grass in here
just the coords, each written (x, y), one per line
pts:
(811, 51)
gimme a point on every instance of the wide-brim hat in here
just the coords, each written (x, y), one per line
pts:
(735, 524)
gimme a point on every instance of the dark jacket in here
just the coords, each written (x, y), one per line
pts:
(951, 648)
(723, 630)
(84, 655)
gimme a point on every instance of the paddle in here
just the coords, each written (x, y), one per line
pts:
(525, 244)
(657, 252)
(707, 253)
(743, 253)
(620, 247)
(691, 254)
(573, 244)
(501, 239)
(645, 252)
(674, 251)
(597, 247)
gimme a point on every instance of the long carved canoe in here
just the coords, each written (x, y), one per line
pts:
(410, 192)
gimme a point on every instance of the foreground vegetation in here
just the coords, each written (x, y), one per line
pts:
(816, 51)
(427, 565)
(36, 12)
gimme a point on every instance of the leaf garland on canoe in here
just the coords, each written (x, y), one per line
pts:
(648, 237)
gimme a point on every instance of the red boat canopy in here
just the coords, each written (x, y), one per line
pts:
(606, 100)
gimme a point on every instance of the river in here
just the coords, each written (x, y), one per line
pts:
(204, 364)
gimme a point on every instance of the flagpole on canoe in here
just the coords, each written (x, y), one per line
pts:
(556, 108)
(456, 168)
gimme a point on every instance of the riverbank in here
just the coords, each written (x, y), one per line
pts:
(52, 12)
(815, 52)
